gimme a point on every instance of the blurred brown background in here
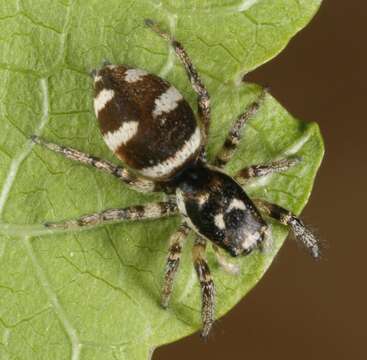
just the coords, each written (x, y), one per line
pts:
(301, 309)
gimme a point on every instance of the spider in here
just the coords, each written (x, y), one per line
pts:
(150, 127)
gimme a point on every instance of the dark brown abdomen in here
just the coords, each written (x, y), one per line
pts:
(145, 121)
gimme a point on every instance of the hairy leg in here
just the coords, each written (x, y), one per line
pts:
(196, 82)
(265, 169)
(124, 175)
(300, 231)
(206, 284)
(132, 213)
(235, 134)
(173, 262)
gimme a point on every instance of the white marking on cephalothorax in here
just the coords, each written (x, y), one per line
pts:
(122, 135)
(133, 75)
(202, 199)
(97, 78)
(219, 221)
(236, 204)
(103, 97)
(250, 240)
(167, 166)
(111, 67)
(167, 102)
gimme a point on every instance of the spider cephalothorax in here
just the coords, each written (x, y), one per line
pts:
(150, 127)
(218, 209)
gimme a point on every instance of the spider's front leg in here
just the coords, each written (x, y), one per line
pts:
(206, 284)
(196, 82)
(235, 134)
(287, 218)
(121, 173)
(132, 213)
(259, 170)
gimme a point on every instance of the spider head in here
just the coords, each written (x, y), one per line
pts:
(218, 209)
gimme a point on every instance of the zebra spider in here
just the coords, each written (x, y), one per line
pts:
(150, 127)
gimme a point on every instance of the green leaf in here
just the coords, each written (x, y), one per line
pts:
(95, 294)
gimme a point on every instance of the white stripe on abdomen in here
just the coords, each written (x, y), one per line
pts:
(165, 167)
(122, 135)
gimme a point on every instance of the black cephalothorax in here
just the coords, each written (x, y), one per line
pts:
(150, 127)
(219, 210)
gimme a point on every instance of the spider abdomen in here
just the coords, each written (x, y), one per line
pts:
(145, 121)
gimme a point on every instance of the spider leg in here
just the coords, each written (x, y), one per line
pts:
(173, 262)
(197, 84)
(206, 284)
(300, 231)
(124, 175)
(226, 265)
(235, 134)
(138, 212)
(265, 169)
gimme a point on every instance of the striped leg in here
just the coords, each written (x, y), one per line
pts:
(173, 261)
(138, 184)
(235, 135)
(265, 169)
(300, 231)
(206, 284)
(196, 82)
(132, 213)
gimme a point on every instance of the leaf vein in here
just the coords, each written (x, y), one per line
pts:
(26, 149)
(59, 311)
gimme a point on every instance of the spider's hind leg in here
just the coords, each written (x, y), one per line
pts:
(121, 173)
(287, 218)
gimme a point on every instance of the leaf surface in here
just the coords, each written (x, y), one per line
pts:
(95, 294)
